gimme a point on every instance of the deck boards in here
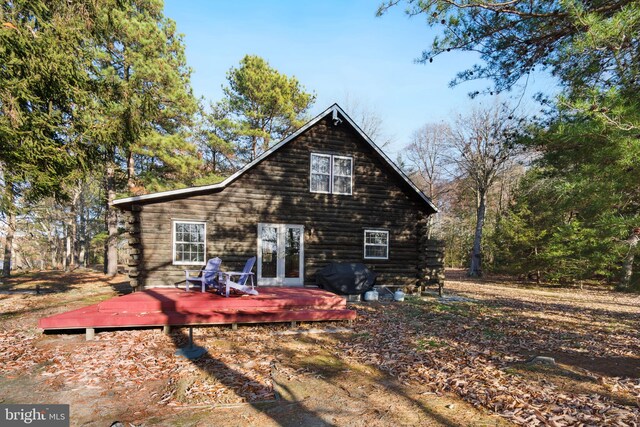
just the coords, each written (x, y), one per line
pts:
(176, 307)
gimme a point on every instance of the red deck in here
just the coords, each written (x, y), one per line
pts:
(160, 307)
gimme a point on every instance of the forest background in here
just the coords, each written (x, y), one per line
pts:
(96, 103)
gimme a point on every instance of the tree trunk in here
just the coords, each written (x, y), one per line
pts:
(627, 264)
(429, 227)
(131, 171)
(52, 250)
(82, 228)
(475, 270)
(68, 253)
(72, 235)
(111, 221)
(254, 148)
(11, 228)
(64, 247)
(8, 244)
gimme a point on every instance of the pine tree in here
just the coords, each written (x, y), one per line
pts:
(589, 141)
(144, 98)
(43, 84)
(260, 106)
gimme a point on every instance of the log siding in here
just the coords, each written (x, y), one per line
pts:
(277, 191)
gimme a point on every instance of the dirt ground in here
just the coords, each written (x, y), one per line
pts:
(426, 361)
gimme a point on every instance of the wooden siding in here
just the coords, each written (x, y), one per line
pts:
(277, 191)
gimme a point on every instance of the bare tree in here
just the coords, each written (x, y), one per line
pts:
(426, 155)
(482, 147)
(368, 118)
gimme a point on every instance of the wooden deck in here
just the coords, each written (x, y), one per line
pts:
(176, 307)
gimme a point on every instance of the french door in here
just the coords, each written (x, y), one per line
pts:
(280, 254)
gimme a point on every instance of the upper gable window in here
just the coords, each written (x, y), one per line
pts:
(320, 173)
(331, 174)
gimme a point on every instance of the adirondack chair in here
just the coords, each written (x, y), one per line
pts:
(241, 284)
(209, 277)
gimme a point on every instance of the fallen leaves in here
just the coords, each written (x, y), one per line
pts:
(468, 348)
(127, 360)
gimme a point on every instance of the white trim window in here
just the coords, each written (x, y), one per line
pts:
(331, 174)
(189, 243)
(376, 244)
(342, 172)
(320, 173)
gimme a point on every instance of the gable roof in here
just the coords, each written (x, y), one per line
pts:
(334, 110)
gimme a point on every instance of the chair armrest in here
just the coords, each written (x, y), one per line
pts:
(235, 273)
(190, 277)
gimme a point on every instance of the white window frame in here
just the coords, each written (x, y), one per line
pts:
(174, 243)
(331, 158)
(371, 230)
(333, 175)
(311, 173)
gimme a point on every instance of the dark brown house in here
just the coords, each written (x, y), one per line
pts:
(326, 193)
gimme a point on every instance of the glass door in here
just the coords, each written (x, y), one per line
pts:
(268, 254)
(280, 254)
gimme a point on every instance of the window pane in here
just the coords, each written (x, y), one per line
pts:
(197, 254)
(341, 167)
(269, 251)
(292, 252)
(376, 251)
(376, 237)
(320, 164)
(320, 183)
(179, 251)
(341, 185)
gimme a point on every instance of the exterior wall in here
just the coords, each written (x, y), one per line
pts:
(277, 191)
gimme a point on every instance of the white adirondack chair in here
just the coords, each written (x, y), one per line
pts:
(209, 276)
(241, 284)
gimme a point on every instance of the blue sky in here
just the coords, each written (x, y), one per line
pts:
(337, 49)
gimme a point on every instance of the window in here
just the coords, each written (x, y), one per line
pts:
(342, 175)
(189, 242)
(376, 244)
(331, 174)
(320, 173)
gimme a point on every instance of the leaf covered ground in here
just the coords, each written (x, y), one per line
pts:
(422, 362)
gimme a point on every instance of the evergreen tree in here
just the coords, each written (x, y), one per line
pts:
(144, 98)
(260, 106)
(216, 134)
(588, 43)
(590, 141)
(43, 84)
(597, 163)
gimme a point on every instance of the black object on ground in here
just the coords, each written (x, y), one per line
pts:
(346, 278)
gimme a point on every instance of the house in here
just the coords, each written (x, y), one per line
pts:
(326, 193)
